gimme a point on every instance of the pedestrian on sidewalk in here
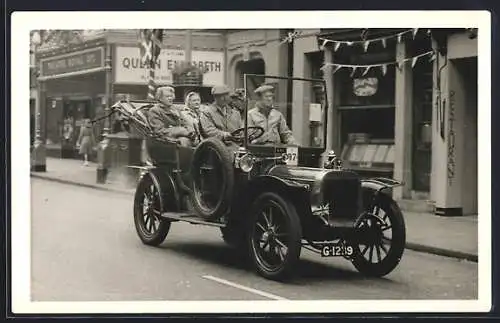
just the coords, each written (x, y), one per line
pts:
(86, 141)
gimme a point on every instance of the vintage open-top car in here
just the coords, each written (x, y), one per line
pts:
(269, 200)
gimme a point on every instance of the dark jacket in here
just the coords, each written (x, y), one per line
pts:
(167, 122)
(219, 122)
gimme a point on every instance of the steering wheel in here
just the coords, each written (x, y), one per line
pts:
(253, 133)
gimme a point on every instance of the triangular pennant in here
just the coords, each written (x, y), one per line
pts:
(432, 57)
(414, 61)
(336, 68)
(349, 43)
(366, 44)
(366, 70)
(400, 64)
(428, 31)
(353, 70)
(399, 37)
(325, 41)
(415, 31)
(384, 42)
(384, 69)
(337, 46)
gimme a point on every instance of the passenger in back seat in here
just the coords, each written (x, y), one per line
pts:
(166, 120)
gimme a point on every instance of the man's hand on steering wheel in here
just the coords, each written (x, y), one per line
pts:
(253, 133)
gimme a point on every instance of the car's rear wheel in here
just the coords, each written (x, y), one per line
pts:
(382, 253)
(274, 236)
(151, 228)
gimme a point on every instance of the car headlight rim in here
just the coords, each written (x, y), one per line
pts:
(246, 163)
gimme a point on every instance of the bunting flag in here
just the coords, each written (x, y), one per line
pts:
(383, 66)
(324, 44)
(366, 70)
(414, 61)
(415, 31)
(366, 42)
(353, 70)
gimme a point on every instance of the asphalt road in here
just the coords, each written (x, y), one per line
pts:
(85, 248)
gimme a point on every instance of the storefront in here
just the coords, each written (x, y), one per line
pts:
(72, 83)
(381, 110)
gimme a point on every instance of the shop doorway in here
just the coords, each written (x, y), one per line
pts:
(467, 71)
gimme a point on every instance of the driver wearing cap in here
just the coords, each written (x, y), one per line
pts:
(264, 115)
(219, 119)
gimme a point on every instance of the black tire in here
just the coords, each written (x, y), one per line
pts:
(394, 253)
(151, 228)
(218, 205)
(288, 234)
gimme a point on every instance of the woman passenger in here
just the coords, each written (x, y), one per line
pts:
(191, 114)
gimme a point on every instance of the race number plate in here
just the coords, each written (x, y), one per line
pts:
(337, 250)
(291, 156)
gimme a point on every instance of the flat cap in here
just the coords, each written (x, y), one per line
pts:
(264, 88)
(219, 90)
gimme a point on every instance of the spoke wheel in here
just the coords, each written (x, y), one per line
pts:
(150, 226)
(274, 236)
(386, 227)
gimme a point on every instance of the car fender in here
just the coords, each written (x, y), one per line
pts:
(379, 184)
(297, 193)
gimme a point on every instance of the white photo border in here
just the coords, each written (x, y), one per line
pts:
(23, 22)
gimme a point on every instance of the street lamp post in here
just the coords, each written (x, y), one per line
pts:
(103, 149)
(39, 154)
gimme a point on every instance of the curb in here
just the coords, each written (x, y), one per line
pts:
(94, 186)
(409, 245)
(441, 252)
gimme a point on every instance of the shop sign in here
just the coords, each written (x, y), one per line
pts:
(73, 62)
(129, 69)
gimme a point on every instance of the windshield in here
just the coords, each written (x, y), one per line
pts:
(291, 111)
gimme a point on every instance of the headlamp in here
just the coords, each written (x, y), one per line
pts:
(246, 163)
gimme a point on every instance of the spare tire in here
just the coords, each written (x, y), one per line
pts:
(212, 173)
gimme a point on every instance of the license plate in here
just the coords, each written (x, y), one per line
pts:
(337, 250)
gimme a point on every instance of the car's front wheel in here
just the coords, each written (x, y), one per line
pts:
(274, 236)
(381, 254)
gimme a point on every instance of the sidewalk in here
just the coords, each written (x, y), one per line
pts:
(446, 236)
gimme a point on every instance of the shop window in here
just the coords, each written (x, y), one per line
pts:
(370, 90)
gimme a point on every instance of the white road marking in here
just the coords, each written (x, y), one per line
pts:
(248, 289)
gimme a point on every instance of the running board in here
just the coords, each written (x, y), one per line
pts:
(190, 218)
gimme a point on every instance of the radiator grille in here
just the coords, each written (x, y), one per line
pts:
(342, 194)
